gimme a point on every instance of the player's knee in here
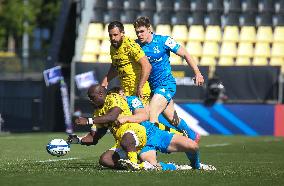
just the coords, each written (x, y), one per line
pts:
(192, 146)
(195, 147)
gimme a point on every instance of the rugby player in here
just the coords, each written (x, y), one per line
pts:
(130, 137)
(157, 140)
(129, 63)
(163, 85)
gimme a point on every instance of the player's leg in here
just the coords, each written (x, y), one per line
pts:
(151, 157)
(183, 144)
(110, 159)
(157, 104)
(171, 115)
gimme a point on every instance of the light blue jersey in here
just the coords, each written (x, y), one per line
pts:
(158, 53)
(156, 139)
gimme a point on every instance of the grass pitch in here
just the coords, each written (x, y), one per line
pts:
(239, 161)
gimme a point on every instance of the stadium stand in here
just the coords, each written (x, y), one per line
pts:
(278, 34)
(180, 33)
(196, 33)
(231, 34)
(264, 34)
(164, 29)
(228, 49)
(210, 49)
(194, 48)
(248, 34)
(215, 32)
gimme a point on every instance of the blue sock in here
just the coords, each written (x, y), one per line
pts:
(183, 126)
(194, 159)
(167, 166)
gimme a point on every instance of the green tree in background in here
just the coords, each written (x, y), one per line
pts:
(13, 14)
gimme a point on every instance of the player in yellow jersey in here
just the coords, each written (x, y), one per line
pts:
(129, 63)
(131, 137)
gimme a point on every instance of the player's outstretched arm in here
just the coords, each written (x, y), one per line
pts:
(110, 116)
(199, 80)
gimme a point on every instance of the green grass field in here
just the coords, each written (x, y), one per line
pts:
(239, 161)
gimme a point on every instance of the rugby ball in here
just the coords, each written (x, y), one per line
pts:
(58, 147)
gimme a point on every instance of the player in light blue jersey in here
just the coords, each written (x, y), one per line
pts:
(165, 141)
(163, 86)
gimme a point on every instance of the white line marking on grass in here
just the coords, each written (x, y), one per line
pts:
(52, 160)
(272, 140)
(218, 145)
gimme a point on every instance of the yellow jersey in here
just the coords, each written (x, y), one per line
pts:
(115, 100)
(125, 60)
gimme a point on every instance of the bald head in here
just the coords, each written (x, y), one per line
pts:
(97, 94)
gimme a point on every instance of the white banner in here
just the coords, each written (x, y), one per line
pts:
(85, 80)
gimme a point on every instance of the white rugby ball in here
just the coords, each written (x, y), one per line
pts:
(58, 147)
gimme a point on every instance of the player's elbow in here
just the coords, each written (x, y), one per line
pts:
(149, 67)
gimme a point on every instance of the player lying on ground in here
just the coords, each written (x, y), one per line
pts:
(148, 153)
(170, 143)
(131, 137)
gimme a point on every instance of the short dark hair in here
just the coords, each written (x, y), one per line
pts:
(117, 24)
(142, 21)
(115, 90)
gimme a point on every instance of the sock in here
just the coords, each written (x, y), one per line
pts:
(183, 126)
(167, 166)
(194, 159)
(132, 156)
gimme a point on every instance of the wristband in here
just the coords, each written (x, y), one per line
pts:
(90, 121)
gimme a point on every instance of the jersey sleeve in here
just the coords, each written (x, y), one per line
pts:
(171, 44)
(134, 103)
(136, 51)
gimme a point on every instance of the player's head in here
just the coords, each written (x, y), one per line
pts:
(117, 90)
(97, 95)
(116, 33)
(143, 29)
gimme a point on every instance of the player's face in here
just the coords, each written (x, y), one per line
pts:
(143, 33)
(115, 37)
(97, 99)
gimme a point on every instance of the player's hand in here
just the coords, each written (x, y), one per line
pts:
(199, 80)
(81, 121)
(139, 92)
(122, 120)
(73, 139)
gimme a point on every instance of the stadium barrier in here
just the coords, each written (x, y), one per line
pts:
(233, 119)
(251, 83)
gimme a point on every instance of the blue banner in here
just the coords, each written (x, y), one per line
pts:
(234, 119)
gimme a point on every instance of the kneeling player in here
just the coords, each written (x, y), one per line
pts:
(131, 137)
